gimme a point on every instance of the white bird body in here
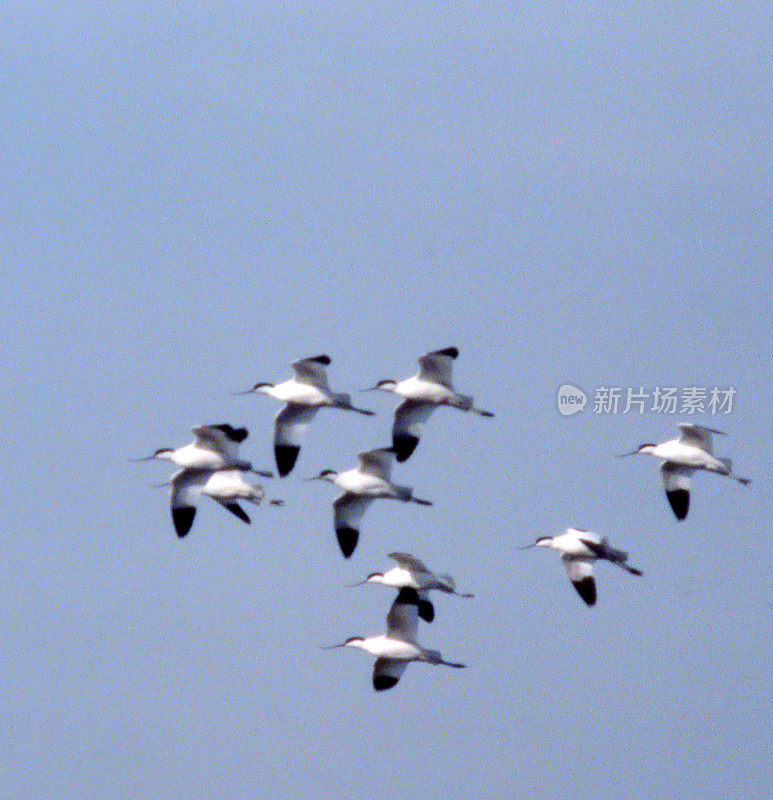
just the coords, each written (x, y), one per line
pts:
(422, 390)
(429, 388)
(579, 549)
(692, 450)
(385, 647)
(231, 485)
(305, 393)
(214, 447)
(688, 455)
(364, 484)
(412, 575)
(573, 543)
(367, 482)
(224, 486)
(398, 647)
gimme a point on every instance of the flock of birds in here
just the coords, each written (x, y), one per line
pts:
(211, 466)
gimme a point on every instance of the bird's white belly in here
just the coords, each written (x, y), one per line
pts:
(199, 458)
(301, 393)
(687, 455)
(384, 647)
(356, 482)
(424, 391)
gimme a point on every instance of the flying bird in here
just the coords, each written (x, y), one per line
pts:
(363, 484)
(398, 647)
(411, 575)
(227, 487)
(692, 450)
(214, 447)
(579, 549)
(305, 393)
(429, 388)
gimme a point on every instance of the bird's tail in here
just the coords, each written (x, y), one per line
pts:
(462, 401)
(620, 557)
(728, 464)
(344, 400)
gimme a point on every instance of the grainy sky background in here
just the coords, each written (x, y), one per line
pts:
(195, 195)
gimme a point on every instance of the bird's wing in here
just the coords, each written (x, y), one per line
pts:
(403, 617)
(697, 436)
(235, 509)
(409, 562)
(377, 462)
(311, 371)
(437, 366)
(677, 483)
(410, 417)
(386, 673)
(348, 510)
(186, 488)
(223, 439)
(580, 574)
(291, 422)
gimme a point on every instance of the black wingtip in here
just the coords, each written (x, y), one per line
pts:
(286, 456)
(323, 359)
(237, 511)
(407, 596)
(680, 502)
(426, 610)
(451, 352)
(404, 445)
(183, 519)
(347, 540)
(586, 588)
(237, 435)
(383, 682)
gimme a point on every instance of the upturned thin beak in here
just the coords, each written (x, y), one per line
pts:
(369, 389)
(140, 460)
(331, 646)
(360, 583)
(241, 394)
(623, 455)
(528, 546)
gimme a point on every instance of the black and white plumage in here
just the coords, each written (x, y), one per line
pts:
(692, 450)
(214, 447)
(579, 549)
(305, 393)
(227, 487)
(412, 575)
(369, 481)
(398, 647)
(429, 388)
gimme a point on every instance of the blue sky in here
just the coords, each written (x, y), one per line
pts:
(194, 197)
